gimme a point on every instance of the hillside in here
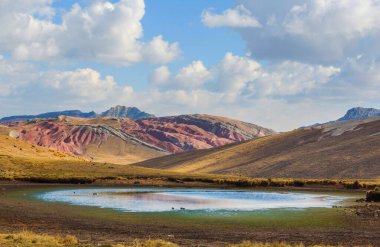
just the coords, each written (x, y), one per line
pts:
(125, 140)
(24, 161)
(344, 149)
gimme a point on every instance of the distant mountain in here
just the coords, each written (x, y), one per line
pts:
(358, 113)
(123, 111)
(117, 111)
(71, 113)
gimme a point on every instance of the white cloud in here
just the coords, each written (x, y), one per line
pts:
(160, 76)
(193, 75)
(85, 83)
(234, 76)
(237, 76)
(335, 19)
(14, 76)
(102, 31)
(235, 72)
(239, 17)
(159, 51)
(291, 78)
(313, 31)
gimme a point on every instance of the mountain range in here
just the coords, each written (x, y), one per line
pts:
(345, 148)
(125, 140)
(117, 111)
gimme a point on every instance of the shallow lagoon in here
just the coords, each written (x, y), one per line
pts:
(168, 199)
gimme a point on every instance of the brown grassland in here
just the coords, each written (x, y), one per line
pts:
(30, 239)
(22, 161)
(335, 151)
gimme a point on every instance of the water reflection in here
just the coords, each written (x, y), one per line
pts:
(161, 200)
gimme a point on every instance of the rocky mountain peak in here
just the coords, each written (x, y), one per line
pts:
(358, 113)
(123, 111)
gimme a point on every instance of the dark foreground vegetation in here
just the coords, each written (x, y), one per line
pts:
(373, 195)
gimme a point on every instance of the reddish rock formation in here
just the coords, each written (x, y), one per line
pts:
(62, 136)
(165, 134)
(188, 132)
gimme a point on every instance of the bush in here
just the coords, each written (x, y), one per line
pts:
(352, 186)
(373, 195)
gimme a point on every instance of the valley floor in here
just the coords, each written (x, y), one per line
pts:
(353, 224)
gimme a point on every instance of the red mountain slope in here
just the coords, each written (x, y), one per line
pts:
(123, 140)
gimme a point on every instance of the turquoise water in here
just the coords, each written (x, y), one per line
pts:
(167, 199)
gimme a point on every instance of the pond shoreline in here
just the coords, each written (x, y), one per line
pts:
(211, 200)
(18, 210)
(147, 184)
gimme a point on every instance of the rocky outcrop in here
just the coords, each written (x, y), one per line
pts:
(188, 132)
(123, 111)
(63, 137)
(359, 113)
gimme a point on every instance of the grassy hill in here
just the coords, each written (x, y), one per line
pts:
(24, 161)
(347, 149)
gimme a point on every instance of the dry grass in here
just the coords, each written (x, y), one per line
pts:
(26, 239)
(51, 170)
(303, 153)
(30, 239)
(21, 149)
(148, 243)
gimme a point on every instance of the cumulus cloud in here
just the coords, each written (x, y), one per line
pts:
(102, 31)
(236, 76)
(160, 76)
(193, 75)
(86, 83)
(239, 17)
(159, 51)
(14, 76)
(234, 72)
(291, 78)
(312, 31)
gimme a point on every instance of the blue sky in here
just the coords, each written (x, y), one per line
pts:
(278, 64)
(177, 21)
